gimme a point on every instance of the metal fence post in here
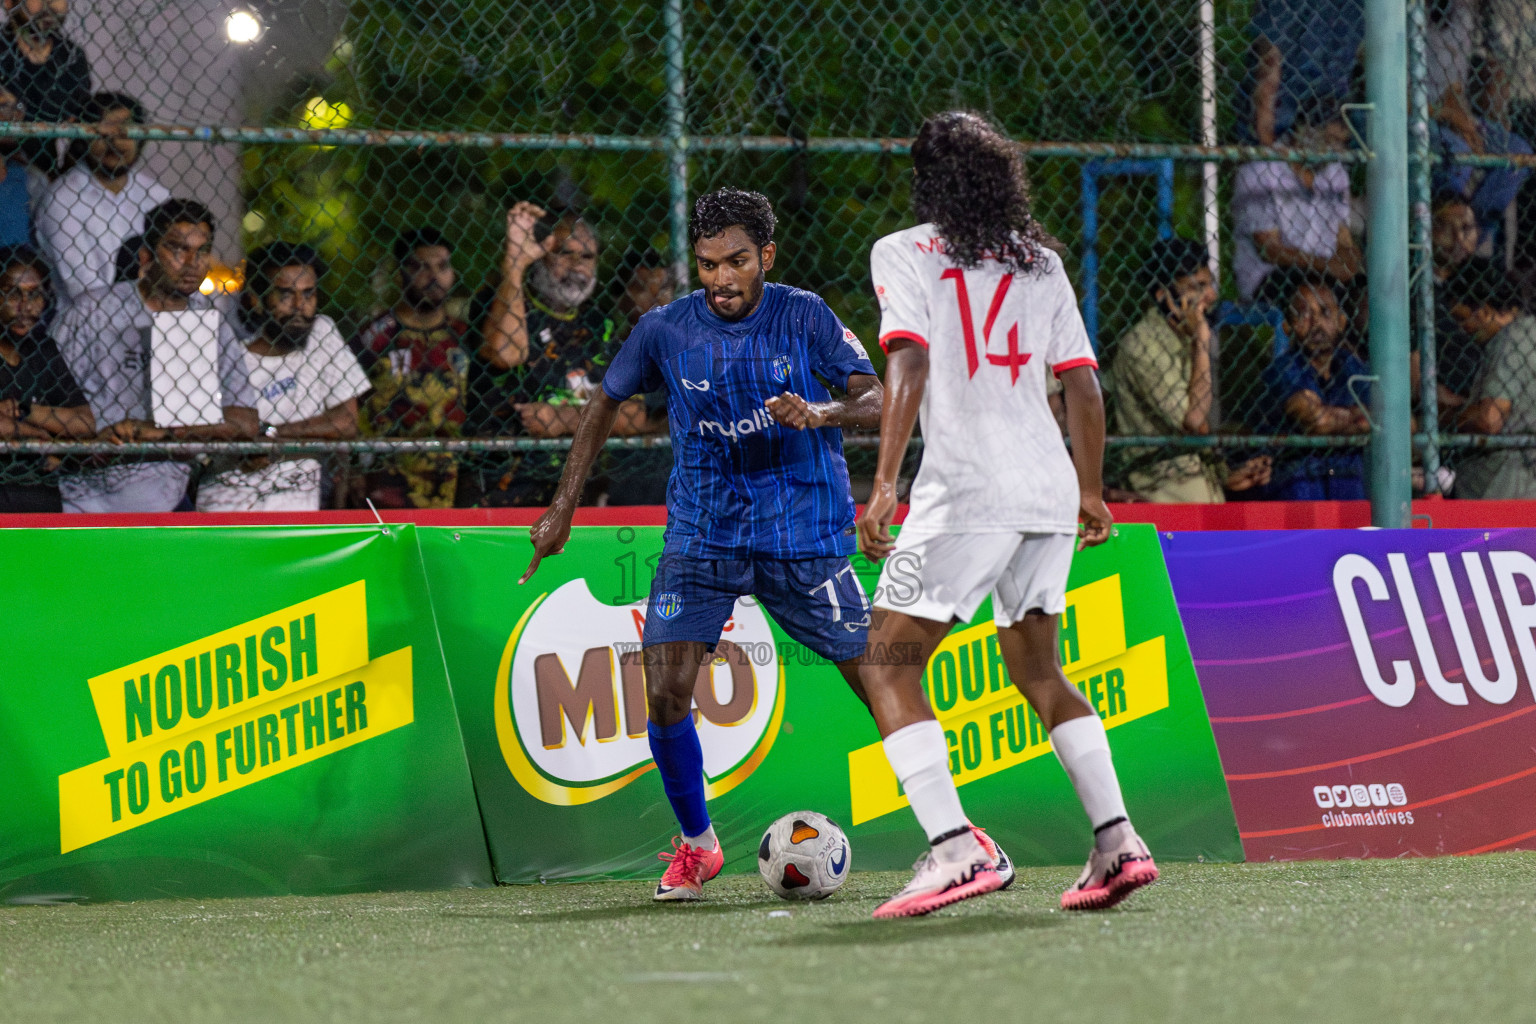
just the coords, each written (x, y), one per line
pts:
(1423, 280)
(1386, 87)
(677, 142)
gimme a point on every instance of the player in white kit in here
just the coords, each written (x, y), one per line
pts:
(975, 311)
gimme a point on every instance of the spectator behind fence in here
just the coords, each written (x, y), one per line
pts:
(546, 346)
(1453, 241)
(48, 73)
(306, 379)
(1307, 391)
(1487, 306)
(1302, 51)
(1161, 379)
(22, 186)
(100, 202)
(1453, 234)
(127, 361)
(1509, 37)
(39, 399)
(1295, 215)
(1471, 113)
(416, 360)
(639, 476)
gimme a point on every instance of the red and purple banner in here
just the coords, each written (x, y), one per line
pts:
(1373, 694)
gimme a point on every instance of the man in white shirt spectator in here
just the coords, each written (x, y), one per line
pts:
(89, 212)
(307, 382)
(1296, 214)
(108, 340)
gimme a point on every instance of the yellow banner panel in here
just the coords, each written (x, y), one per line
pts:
(189, 688)
(255, 742)
(993, 736)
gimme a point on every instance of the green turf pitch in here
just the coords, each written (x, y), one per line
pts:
(1412, 940)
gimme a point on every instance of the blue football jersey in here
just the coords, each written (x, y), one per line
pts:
(742, 484)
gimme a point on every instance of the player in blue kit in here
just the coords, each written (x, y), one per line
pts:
(758, 502)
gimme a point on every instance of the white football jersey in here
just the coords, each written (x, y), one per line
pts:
(993, 456)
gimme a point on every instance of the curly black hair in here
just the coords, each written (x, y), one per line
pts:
(159, 221)
(968, 179)
(725, 208)
(262, 265)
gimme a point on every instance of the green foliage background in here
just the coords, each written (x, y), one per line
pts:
(1061, 70)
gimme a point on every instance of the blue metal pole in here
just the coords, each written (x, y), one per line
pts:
(1386, 88)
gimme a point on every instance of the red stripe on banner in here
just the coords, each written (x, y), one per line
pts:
(1488, 847)
(1382, 753)
(1272, 716)
(1517, 776)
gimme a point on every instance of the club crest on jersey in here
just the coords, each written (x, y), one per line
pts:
(780, 368)
(668, 605)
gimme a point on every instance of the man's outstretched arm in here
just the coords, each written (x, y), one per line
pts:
(553, 528)
(906, 368)
(1085, 424)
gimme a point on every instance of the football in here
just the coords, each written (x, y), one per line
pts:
(804, 856)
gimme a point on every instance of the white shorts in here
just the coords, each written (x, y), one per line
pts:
(946, 576)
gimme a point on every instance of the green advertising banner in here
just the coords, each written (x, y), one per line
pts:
(227, 711)
(552, 705)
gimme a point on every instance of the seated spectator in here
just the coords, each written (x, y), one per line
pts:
(1453, 233)
(1302, 51)
(1295, 215)
(39, 399)
(1307, 391)
(1161, 379)
(639, 476)
(306, 379)
(1471, 114)
(103, 338)
(48, 73)
(89, 212)
(546, 345)
(1458, 356)
(21, 185)
(416, 360)
(1453, 241)
(1503, 401)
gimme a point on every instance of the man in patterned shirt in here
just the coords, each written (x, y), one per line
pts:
(416, 359)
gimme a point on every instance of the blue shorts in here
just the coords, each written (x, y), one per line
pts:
(817, 601)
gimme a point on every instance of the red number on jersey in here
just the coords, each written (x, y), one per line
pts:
(1014, 359)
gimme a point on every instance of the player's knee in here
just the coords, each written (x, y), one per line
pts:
(668, 698)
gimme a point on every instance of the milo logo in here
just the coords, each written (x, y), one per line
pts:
(570, 698)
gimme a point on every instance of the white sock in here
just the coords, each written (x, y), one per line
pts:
(706, 841)
(1083, 750)
(920, 759)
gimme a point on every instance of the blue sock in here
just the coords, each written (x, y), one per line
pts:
(680, 760)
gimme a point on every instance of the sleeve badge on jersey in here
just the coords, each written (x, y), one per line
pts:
(853, 339)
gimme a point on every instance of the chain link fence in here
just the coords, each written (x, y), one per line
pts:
(266, 254)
